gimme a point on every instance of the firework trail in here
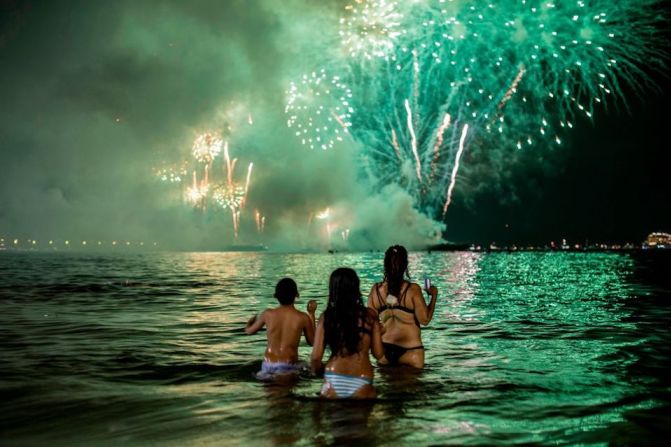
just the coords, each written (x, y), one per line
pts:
(413, 141)
(439, 143)
(455, 169)
(249, 176)
(257, 219)
(197, 192)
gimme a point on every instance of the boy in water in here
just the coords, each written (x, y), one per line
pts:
(284, 326)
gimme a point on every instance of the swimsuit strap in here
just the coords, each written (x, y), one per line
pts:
(408, 309)
(365, 330)
(384, 306)
(403, 294)
(403, 309)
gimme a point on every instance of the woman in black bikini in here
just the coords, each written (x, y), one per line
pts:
(402, 309)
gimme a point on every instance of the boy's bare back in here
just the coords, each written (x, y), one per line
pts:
(284, 324)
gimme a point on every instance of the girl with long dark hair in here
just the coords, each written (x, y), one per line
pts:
(402, 309)
(350, 330)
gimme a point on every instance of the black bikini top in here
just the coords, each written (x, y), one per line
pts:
(385, 306)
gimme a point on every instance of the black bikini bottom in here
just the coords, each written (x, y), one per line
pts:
(394, 352)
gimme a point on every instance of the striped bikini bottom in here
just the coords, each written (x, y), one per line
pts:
(344, 385)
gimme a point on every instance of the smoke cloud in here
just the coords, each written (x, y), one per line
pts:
(96, 94)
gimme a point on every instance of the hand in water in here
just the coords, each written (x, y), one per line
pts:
(312, 306)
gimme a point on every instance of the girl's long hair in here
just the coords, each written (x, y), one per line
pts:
(395, 268)
(344, 314)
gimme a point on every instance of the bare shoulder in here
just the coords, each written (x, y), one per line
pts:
(295, 314)
(305, 317)
(415, 289)
(267, 314)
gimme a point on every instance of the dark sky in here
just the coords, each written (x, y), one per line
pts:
(610, 182)
(93, 93)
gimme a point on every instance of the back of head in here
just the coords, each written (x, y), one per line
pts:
(395, 268)
(286, 291)
(345, 309)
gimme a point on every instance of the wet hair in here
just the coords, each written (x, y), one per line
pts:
(344, 313)
(286, 291)
(395, 268)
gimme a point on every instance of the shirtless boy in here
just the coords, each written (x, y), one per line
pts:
(284, 327)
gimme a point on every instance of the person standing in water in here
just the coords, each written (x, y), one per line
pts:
(285, 325)
(402, 311)
(351, 331)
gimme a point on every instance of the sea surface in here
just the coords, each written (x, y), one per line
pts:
(149, 349)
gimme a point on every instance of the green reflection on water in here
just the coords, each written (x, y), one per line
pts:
(535, 331)
(523, 348)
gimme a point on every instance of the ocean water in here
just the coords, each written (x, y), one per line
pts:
(149, 349)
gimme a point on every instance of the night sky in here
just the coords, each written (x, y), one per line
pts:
(93, 93)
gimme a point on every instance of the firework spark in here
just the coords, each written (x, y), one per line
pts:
(370, 28)
(206, 147)
(319, 109)
(494, 75)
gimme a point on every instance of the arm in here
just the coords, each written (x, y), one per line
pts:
(371, 305)
(255, 323)
(371, 297)
(376, 335)
(309, 328)
(423, 312)
(318, 347)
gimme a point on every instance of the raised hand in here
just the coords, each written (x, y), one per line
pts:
(312, 306)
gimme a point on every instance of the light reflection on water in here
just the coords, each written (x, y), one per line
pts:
(524, 348)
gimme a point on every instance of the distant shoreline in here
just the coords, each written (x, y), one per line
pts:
(442, 248)
(601, 248)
